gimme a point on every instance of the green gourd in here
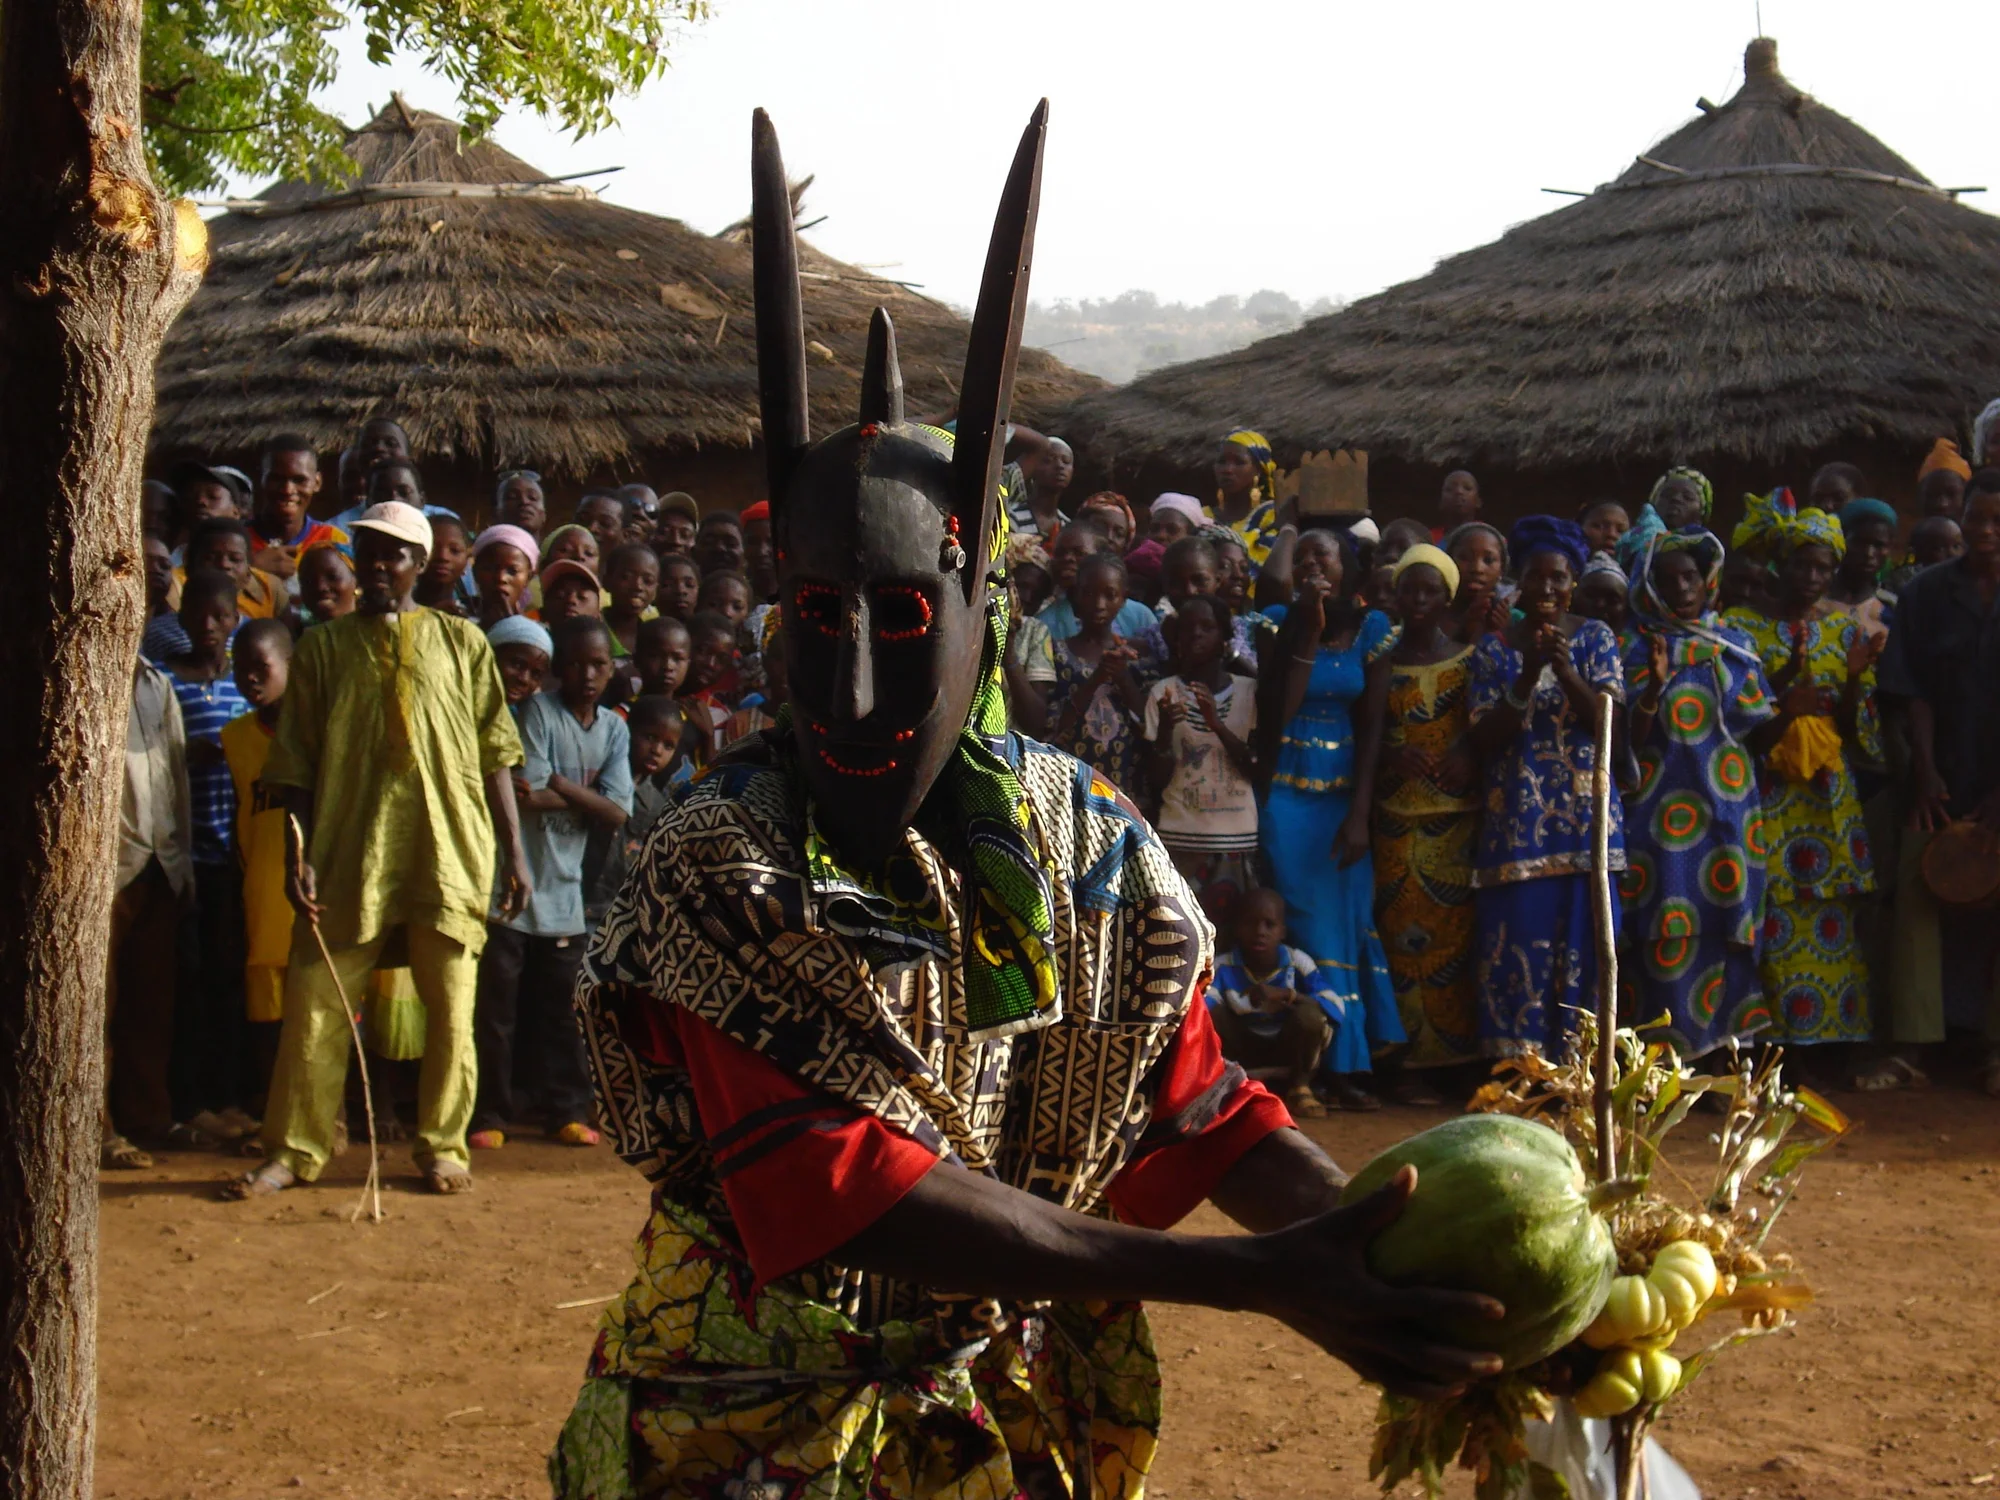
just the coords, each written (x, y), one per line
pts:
(1501, 1207)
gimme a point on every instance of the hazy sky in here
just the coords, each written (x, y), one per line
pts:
(1223, 146)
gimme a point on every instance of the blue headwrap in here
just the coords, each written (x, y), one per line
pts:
(1534, 534)
(1855, 512)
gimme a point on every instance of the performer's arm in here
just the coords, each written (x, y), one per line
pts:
(983, 1238)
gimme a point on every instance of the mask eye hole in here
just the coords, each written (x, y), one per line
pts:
(902, 613)
(818, 607)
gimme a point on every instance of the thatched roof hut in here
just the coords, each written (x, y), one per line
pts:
(1768, 287)
(508, 320)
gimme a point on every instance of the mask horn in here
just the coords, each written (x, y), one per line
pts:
(881, 376)
(781, 329)
(987, 390)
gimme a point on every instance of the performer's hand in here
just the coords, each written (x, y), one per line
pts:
(1930, 809)
(302, 890)
(515, 885)
(1319, 1284)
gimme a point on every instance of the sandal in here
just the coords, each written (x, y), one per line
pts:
(263, 1182)
(1352, 1096)
(486, 1140)
(576, 1133)
(1412, 1094)
(447, 1177)
(1304, 1104)
(1893, 1073)
(119, 1155)
(188, 1136)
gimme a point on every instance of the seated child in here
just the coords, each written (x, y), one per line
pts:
(1270, 1007)
(1199, 723)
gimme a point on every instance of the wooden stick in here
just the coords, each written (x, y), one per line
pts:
(1607, 947)
(1628, 1434)
(372, 1188)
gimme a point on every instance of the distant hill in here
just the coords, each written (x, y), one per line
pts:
(1125, 336)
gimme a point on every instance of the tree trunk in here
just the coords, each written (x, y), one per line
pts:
(96, 266)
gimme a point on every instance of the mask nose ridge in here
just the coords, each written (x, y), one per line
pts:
(854, 667)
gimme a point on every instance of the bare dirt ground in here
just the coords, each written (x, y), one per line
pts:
(273, 1349)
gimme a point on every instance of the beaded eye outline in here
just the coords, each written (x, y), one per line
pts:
(917, 623)
(818, 606)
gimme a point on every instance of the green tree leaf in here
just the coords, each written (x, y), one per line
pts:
(229, 84)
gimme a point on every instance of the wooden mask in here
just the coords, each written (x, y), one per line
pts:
(882, 527)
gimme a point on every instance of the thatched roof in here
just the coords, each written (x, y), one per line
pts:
(1770, 279)
(532, 324)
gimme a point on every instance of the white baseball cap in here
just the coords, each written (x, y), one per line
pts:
(393, 518)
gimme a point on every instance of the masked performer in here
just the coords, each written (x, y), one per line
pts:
(902, 1016)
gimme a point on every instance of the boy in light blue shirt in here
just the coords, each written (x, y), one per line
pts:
(577, 775)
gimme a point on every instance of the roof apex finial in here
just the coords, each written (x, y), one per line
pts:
(1760, 58)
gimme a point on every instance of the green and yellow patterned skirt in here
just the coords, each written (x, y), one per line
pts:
(700, 1387)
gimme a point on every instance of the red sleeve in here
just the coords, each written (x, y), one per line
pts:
(803, 1172)
(1206, 1114)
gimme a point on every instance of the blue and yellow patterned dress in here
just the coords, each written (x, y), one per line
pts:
(1695, 842)
(1535, 944)
(1330, 910)
(1819, 862)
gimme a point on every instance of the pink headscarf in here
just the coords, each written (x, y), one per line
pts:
(515, 537)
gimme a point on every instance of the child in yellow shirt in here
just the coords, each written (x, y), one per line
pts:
(263, 655)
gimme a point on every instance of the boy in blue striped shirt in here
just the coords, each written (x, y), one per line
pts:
(208, 1071)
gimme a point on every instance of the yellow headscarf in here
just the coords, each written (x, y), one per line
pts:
(1431, 557)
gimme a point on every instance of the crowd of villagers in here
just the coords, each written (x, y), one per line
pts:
(1368, 746)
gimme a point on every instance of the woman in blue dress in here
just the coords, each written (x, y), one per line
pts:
(1328, 676)
(1534, 715)
(1695, 841)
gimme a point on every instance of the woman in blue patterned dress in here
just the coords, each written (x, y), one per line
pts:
(1694, 833)
(1328, 677)
(1534, 716)
(1822, 668)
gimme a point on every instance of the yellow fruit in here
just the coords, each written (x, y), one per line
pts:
(1635, 1309)
(1684, 1274)
(1616, 1387)
(1693, 1260)
(1661, 1375)
(1682, 1298)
